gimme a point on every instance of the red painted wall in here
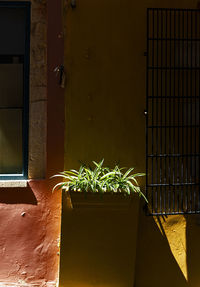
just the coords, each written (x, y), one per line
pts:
(30, 217)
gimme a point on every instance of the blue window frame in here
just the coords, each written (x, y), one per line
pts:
(14, 89)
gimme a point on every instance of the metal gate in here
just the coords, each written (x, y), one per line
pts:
(172, 111)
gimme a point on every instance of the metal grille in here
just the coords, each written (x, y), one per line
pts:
(172, 112)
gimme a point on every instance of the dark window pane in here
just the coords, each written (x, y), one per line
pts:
(12, 30)
(11, 85)
(10, 141)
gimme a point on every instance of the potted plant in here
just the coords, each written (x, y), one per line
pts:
(100, 180)
(99, 235)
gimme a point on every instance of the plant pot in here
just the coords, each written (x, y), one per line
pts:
(98, 240)
(98, 200)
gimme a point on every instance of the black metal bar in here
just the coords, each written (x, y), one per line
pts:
(152, 108)
(191, 130)
(169, 112)
(174, 113)
(173, 184)
(156, 131)
(186, 109)
(174, 39)
(173, 155)
(183, 103)
(195, 113)
(175, 126)
(198, 116)
(174, 99)
(147, 108)
(161, 111)
(178, 136)
(172, 9)
(167, 97)
(174, 213)
(165, 121)
(174, 68)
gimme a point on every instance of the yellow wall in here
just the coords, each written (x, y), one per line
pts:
(105, 43)
(99, 238)
(168, 251)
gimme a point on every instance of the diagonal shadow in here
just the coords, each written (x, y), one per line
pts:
(193, 249)
(155, 263)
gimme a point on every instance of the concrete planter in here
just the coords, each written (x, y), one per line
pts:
(98, 240)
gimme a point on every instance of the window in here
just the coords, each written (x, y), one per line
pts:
(14, 89)
(173, 104)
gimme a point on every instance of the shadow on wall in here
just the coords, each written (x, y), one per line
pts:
(160, 249)
(18, 196)
(155, 263)
(193, 249)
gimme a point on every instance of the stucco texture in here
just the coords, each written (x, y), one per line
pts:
(28, 244)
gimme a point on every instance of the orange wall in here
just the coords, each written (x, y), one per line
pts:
(30, 217)
(28, 234)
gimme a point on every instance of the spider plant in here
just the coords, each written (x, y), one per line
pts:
(100, 179)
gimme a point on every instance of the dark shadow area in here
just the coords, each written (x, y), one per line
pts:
(17, 195)
(193, 249)
(98, 244)
(155, 263)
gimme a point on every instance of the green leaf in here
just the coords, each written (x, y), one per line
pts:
(100, 179)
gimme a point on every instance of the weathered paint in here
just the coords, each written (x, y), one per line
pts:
(30, 216)
(105, 43)
(28, 246)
